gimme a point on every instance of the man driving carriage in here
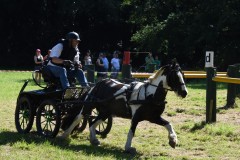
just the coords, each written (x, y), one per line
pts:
(63, 55)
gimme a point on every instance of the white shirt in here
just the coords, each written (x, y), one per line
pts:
(56, 52)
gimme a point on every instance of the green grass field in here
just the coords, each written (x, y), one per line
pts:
(197, 140)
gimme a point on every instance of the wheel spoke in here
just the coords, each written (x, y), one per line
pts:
(43, 121)
(45, 125)
(99, 127)
(103, 126)
(50, 126)
(20, 117)
(48, 115)
(22, 123)
(105, 122)
(26, 121)
(21, 112)
(53, 123)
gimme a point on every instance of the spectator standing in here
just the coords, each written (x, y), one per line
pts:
(105, 62)
(157, 62)
(115, 62)
(149, 60)
(87, 58)
(100, 68)
(38, 60)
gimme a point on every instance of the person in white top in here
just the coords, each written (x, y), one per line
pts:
(62, 56)
(115, 62)
(87, 58)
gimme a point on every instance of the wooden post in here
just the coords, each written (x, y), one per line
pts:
(126, 71)
(237, 76)
(126, 67)
(231, 89)
(211, 96)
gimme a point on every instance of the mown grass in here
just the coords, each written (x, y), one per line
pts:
(197, 140)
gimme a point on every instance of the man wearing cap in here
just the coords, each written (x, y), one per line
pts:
(63, 55)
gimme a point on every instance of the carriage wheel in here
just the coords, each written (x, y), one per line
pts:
(24, 115)
(104, 128)
(48, 119)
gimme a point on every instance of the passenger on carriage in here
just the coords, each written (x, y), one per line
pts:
(63, 55)
(46, 57)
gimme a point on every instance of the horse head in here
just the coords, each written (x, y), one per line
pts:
(172, 78)
(175, 79)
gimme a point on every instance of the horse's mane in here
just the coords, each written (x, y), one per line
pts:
(156, 74)
(164, 69)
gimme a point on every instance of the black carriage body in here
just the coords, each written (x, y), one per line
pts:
(37, 96)
(27, 104)
(53, 106)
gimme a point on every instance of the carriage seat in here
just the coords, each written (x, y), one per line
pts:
(48, 75)
(49, 78)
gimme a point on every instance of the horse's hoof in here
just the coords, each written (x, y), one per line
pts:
(131, 150)
(172, 143)
(95, 142)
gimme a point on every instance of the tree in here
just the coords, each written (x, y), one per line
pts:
(186, 29)
(28, 25)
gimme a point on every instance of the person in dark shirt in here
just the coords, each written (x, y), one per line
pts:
(38, 60)
(101, 72)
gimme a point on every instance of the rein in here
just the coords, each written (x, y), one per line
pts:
(181, 84)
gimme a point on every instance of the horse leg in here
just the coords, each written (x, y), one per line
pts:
(172, 136)
(130, 136)
(75, 122)
(92, 129)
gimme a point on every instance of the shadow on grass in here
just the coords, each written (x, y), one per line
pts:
(8, 137)
(198, 126)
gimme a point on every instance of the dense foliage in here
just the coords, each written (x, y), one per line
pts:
(170, 28)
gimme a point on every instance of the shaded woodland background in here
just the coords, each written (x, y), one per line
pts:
(169, 28)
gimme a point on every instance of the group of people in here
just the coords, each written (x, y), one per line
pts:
(149, 60)
(65, 54)
(102, 66)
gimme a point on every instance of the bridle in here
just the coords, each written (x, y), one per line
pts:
(170, 83)
(176, 69)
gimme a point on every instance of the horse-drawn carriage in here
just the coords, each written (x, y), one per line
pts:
(52, 107)
(137, 101)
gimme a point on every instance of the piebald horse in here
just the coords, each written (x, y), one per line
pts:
(137, 101)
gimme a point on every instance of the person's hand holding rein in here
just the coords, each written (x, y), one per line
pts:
(67, 63)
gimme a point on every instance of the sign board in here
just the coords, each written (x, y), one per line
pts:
(209, 59)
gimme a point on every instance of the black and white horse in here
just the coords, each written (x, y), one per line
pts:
(138, 101)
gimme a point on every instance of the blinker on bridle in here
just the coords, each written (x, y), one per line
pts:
(173, 88)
